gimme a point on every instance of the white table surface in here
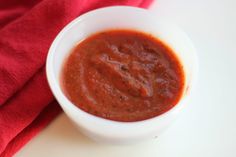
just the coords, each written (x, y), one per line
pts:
(207, 127)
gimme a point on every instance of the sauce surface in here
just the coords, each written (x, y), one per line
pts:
(123, 75)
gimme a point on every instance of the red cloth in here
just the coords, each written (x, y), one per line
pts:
(27, 28)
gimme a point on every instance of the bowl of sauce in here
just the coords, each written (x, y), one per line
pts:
(121, 74)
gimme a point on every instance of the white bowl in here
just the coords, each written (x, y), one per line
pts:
(119, 17)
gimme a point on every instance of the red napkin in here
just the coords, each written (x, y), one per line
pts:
(27, 28)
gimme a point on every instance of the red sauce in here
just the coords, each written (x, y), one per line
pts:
(123, 75)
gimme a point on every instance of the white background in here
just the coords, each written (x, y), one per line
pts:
(207, 127)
